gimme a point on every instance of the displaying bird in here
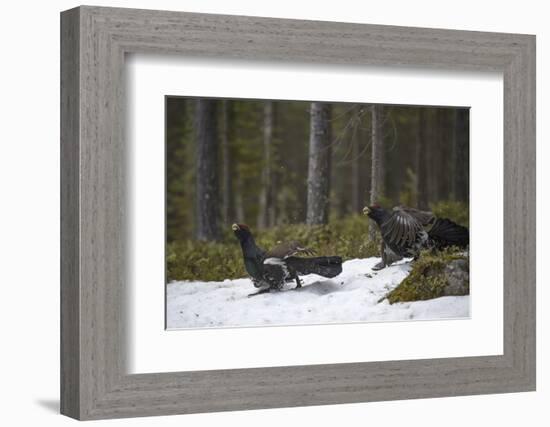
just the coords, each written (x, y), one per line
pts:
(407, 231)
(272, 269)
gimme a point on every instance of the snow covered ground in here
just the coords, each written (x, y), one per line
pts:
(351, 297)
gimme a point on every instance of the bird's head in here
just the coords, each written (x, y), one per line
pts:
(374, 212)
(242, 231)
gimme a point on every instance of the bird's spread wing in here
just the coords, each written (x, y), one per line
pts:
(288, 249)
(423, 217)
(401, 228)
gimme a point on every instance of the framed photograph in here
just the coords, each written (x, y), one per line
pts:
(303, 170)
(262, 213)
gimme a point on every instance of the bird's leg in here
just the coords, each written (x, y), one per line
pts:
(379, 266)
(261, 291)
(382, 263)
(298, 282)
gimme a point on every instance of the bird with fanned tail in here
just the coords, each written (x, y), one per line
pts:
(270, 270)
(407, 231)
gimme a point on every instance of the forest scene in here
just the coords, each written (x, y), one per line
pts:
(338, 202)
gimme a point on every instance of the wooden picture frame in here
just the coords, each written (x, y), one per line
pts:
(94, 382)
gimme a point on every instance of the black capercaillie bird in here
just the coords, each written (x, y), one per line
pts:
(407, 231)
(272, 269)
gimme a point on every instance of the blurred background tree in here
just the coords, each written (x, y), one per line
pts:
(277, 164)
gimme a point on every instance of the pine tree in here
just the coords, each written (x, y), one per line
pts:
(318, 181)
(266, 192)
(207, 179)
(376, 160)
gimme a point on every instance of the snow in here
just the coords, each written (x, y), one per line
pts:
(353, 296)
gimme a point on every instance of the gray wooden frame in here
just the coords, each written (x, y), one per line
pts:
(94, 382)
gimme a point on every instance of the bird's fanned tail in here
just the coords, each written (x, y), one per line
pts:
(445, 233)
(326, 266)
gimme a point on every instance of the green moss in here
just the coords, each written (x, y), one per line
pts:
(455, 211)
(426, 279)
(208, 261)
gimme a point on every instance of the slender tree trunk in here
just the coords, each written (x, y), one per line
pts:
(207, 180)
(239, 204)
(355, 175)
(376, 158)
(454, 156)
(227, 176)
(266, 193)
(441, 163)
(416, 169)
(272, 210)
(420, 161)
(462, 167)
(430, 158)
(382, 118)
(318, 182)
(177, 220)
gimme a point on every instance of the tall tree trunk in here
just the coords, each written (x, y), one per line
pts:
(355, 174)
(239, 204)
(382, 118)
(430, 157)
(377, 159)
(441, 164)
(207, 180)
(266, 192)
(272, 207)
(462, 167)
(420, 160)
(177, 220)
(318, 181)
(227, 176)
(454, 156)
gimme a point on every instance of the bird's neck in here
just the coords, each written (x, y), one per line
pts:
(381, 217)
(249, 247)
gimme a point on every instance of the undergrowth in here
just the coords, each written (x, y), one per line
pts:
(216, 261)
(346, 237)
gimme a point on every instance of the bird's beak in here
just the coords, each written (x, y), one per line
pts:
(234, 227)
(366, 210)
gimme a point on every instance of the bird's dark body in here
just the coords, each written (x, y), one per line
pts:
(272, 269)
(253, 267)
(406, 231)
